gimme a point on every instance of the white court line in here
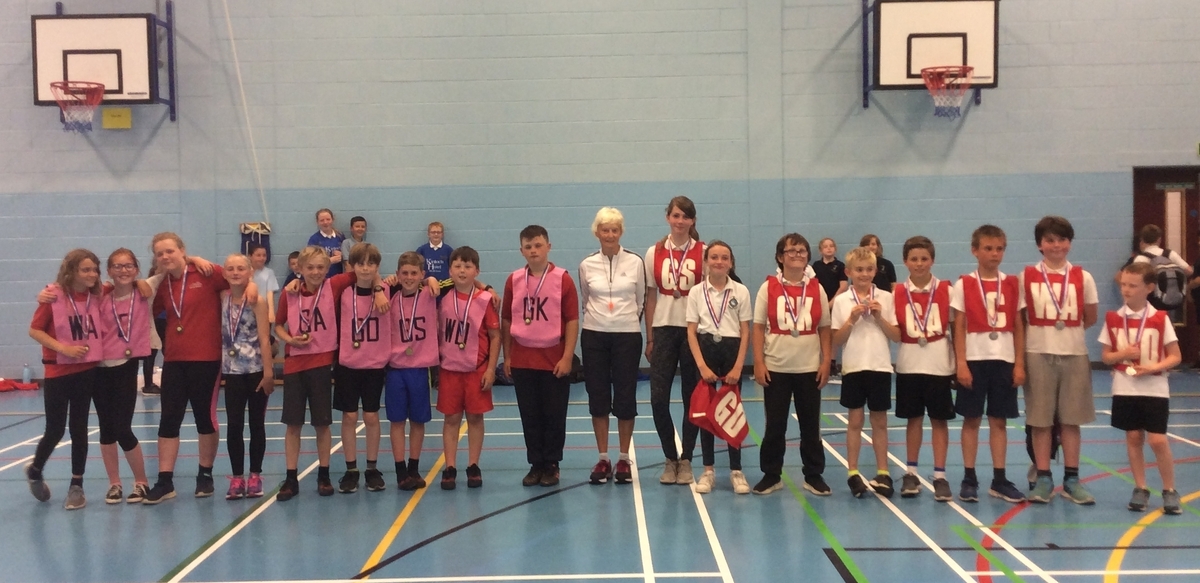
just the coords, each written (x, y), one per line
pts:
(27, 458)
(706, 521)
(639, 510)
(933, 546)
(1037, 571)
(1169, 434)
(562, 577)
(257, 512)
(30, 441)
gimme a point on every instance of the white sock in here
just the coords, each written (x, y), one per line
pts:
(624, 456)
(604, 457)
(912, 470)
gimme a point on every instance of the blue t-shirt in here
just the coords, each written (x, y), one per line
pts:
(330, 245)
(437, 262)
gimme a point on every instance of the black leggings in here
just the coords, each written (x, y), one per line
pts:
(116, 397)
(67, 396)
(240, 390)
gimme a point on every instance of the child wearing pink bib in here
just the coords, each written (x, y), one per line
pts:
(69, 333)
(539, 343)
(413, 321)
(469, 344)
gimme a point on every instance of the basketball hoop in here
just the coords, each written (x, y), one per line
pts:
(78, 100)
(948, 86)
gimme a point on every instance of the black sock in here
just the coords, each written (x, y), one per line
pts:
(35, 472)
(413, 466)
(323, 472)
(969, 475)
(998, 475)
(1069, 472)
(166, 477)
(401, 470)
(291, 476)
(371, 464)
(1046, 473)
(205, 471)
(351, 465)
(77, 481)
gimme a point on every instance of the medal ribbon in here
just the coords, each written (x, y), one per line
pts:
(87, 306)
(411, 321)
(1059, 300)
(178, 308)
(233, 324)
(677, 268)
(306, 323)
(713, 313)
(460, 323)
(1141, 327)
(529, 308)
(123, 333)
(359, 327)
(921, 322)
(859, 302)
(993, 315)
(787, 300)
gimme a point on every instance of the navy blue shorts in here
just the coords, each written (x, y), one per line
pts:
(406, 395)
(871, 388)
(991, 385)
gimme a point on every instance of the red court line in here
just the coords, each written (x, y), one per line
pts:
(982, 564)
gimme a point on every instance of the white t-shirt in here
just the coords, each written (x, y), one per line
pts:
(1141, 386)
(980, 346)
(266, 281)
(867, 347)
(935, 358)
(1156, 250)
(786, 353)
(737, 308)
(1050, 340)
(613, 291)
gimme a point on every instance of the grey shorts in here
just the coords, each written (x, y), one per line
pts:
(1058, 384)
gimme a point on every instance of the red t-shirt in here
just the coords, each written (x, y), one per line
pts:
(43, 319)
(303, 362)
(201, 307)
(542, 358)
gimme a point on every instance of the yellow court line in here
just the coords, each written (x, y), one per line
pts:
(394, 531)
(1118, 555)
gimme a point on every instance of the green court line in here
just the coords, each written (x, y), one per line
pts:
(267, 496)
(993, 559)
(816, 519)
(1126, 478)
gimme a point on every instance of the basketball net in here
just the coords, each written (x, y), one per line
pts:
(948, 86)
(78, 101)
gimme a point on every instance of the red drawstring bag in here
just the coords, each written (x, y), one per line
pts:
(11, 385)
(702, 396)
(726, 417)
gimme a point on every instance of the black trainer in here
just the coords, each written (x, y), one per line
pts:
(288, 490)
(349, 482)
(534, 477)
(204, 485)
(816, 485)
(159, 492)
(375, 481)
(858, 487)
(769, 483)
(550, 475)
(474, 476)
(448, 476)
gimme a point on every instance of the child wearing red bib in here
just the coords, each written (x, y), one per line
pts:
(469, 344)
(989, 350)
(1140, 344)
(673, 266)
(68, 330)
(1059, 302)
(539, 343)
(924, 366)
(792, 354)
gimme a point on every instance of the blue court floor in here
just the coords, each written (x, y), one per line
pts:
(579, 532)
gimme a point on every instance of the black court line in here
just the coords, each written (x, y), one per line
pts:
(450, 531)
(839, 565)
(36, 416)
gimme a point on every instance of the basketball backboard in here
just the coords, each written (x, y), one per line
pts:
(911, 35)
(117, 50)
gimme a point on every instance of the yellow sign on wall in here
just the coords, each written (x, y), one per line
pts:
(116, 118)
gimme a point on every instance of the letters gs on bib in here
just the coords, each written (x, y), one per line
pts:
(687, 274)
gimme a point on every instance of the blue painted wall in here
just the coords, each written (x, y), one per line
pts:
(492, 115)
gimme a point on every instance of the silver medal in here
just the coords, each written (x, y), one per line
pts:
(676, 294)
(462, 345)
(716, 337)
(232, 352)
(795, 333)
(179, 329)
(128, 352)
(993, 335)
(528, 321)
(922, 341)
(357, 344)
(1059, 325)
(408, 351)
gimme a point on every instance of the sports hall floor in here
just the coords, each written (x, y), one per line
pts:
(579, 532)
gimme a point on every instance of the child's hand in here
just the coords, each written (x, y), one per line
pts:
(761, 375)
(708, 375)
(735, 375)
(335, 257)
(822, 375)
(563, 367)
(201, 264)
(1018, 375)
(489, 377)
(294, 286)
(964, 377)
(391, 280)
(507, 369)
(48, 295)
(858, 311)
(267, 384)
(382, 303)
(433, 287)
(874, 308)
(300, 340)
(1130, 352)
(144, 289)
(74, 351)
(649, 349)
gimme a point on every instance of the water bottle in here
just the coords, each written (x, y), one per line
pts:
(26, 374)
